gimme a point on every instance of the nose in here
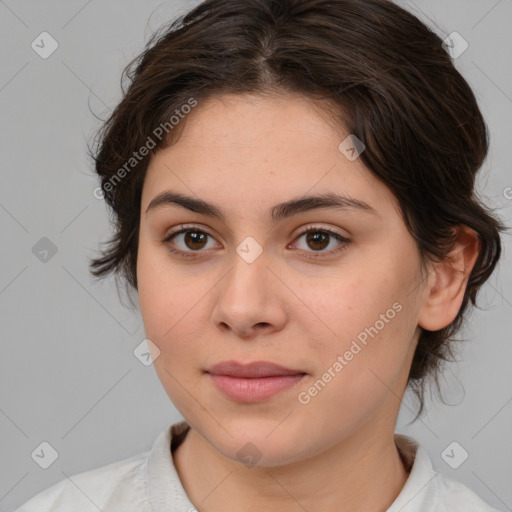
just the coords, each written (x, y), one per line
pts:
(251, 299)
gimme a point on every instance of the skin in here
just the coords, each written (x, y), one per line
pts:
(245, 154)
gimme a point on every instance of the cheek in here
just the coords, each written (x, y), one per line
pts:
(169, 301)
(371, 319)
(352, 302)
(170, 307)
(355, 378)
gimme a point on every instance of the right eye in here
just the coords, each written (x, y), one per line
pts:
(188, 241)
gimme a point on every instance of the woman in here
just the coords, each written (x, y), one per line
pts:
(292, 184)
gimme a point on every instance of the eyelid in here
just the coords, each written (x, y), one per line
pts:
(303, 229)
(319, 255)
(311, 227)
(183, 228)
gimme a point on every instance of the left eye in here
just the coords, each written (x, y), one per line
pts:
(317, 240)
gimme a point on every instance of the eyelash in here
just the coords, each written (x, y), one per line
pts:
(308, 229)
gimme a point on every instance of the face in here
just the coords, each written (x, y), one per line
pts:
(331, 294)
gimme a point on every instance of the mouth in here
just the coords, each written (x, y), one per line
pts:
(253, 382)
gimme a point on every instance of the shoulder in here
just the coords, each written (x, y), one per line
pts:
(115, 486)
(457, 497)
(426, 489)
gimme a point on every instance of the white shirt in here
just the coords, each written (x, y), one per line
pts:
(148, 482)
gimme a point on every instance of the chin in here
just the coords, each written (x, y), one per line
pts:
(258, 442)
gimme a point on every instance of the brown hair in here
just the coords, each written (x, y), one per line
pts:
(392, 83)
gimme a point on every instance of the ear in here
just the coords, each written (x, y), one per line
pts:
(448, 280)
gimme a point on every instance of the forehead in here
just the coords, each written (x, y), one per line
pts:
(262, 122)
(262, 149)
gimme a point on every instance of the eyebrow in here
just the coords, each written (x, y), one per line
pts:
(279, 211)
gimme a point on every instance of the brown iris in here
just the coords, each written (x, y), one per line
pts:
(317, 237)
(195, 239)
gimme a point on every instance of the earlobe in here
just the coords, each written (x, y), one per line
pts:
(448, 280)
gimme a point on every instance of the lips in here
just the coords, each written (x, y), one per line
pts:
(255, 370)
(253, 382)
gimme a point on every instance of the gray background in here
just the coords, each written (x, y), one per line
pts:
(68, 374)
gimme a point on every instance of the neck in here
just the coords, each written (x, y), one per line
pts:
(362, 473)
